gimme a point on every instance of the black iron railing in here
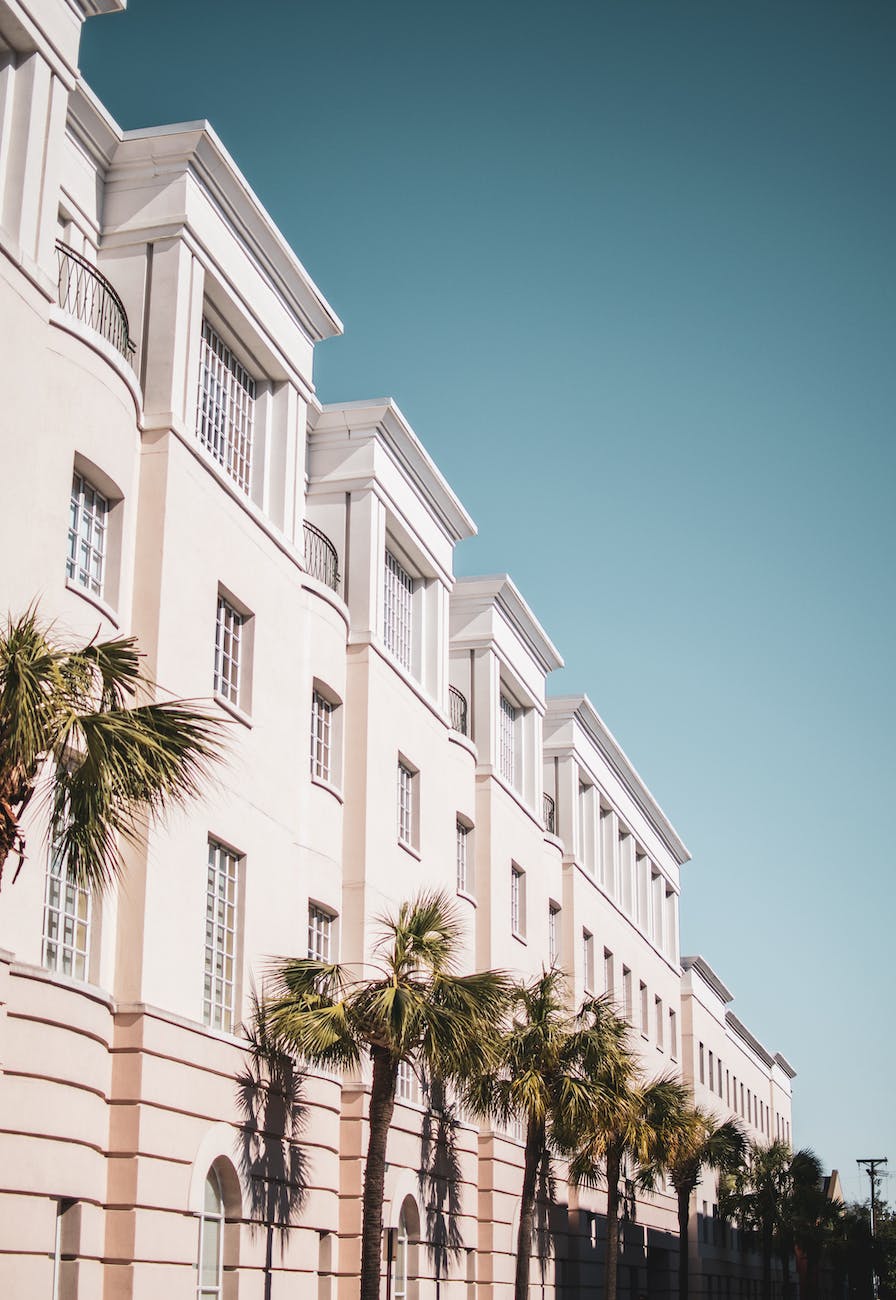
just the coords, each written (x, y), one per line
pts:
(88, 296)
(321, 560)
(457, 709)
(550, 815)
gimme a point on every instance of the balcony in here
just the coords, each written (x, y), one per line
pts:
(321, 560)
(549, 814)
(457, 710)
(88, 296)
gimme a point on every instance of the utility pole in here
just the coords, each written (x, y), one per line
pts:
(871, 1163)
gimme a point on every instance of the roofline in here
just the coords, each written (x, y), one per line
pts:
(580, 709)
(384, 416)
(708, 975)
(750, 1039)
(500, 589)
(787, 1068)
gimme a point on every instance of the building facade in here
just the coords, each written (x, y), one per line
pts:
(171, 473)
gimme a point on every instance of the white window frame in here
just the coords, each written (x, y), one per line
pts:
(517, 901)
(88, 536)
(225, 408)
(588, 973)
(321, 933)
(464, 865)
(214, 1290)
(553, 933)
(407, 804)
(68, 909)
(230, 652)
(508, 718)
(398, 610)
(407, 1085)
(627, 994)
(222, 920)
(322, 735)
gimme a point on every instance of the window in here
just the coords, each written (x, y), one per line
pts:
(87, 532)
(66, 1248)
(407, 811)
(321, 736)
(518, 901)
(554, 933)
(712, 1073)
(398, 592)
(219, 998)
(67, 907)
(320, 933)
(658, 1008)
(719, 1065)
(400, 1287)
(211, 1241)
(645, 1020)
(226, 408)
(609, 974)
(406, 1086)
(673, 1034)
(702, 1062)
(627, 999)
(588, 959)
(464, 866)
(507, 740)
(229, 652)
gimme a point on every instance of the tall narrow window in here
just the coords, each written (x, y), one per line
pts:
(86, 560)
(627, 997)
(702, 1065)
(66, 936)
(518, 901)
(609, 974)
(588, 960)
(228, 650)
(320, 933)
(226, 407)
(321, 736)
(219, 999)
(406, 782)
(507, 717)
(464, 871)
(645, 1013)
(673, 1034)
(400, 1288)
(554, 933)
(211, 1241)
(658, 1006)
(398, 592)
(406, 1085)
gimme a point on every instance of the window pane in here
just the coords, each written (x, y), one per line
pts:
(226, 408)
(86, 557)
(66, 929)
(220, 938)
(398, 590)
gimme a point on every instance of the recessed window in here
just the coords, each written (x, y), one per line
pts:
(407, 1087)
(407, 804)
(230, 648)
(645, 1011)
(627, 998)
(658, 1007)
(66, 934)
(87, 536)
(554, 933)
(398, 610)
(320, 933)
(321, 736)
(219, 998)
(588, 960)
(609, 973)
(702, 1064)
(518, 901)
(211, 1241)
(226, 407)
(464, 865)
(673, 1034)
(507, 720)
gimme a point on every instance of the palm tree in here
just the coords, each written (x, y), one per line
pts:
(79, 730)
(700, 1141)
(544, 1075)
(412, 1007)
(630, 1122)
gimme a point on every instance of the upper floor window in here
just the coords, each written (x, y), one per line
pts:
(517, 901)
(226, 407)
(398, 593)
(219, 997)
(407, 809)
(66, 935)
(507, 717)
(627, 1007)
(87, 533)
(554, 933)
(321, 736)
(232, 654)
(407, 1087)
(588, 960)
(464, 874)
(320, 933)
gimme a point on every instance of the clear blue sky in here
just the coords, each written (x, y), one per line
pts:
(628, 268)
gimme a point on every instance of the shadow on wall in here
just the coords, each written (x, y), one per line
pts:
(273, 1165)
(440, 1179)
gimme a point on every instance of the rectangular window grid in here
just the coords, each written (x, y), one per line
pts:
(85, 563)
(228, 637)
(66, 936)
(554, 934)
(506, 730)
(220, 937)
(320, 933)
(226, 407)
(321, 725)
(398, 591)
(516, 901)
(463, 880)
(406, 1086)
(405, 804)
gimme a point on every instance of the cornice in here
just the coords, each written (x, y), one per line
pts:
(501, 592)
(383, 421)
(580, 710)
(708, 975)
(785, 1065)
(742, 1032)
(92, 126)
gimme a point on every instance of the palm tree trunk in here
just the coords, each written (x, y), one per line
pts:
(611, 1263)
(533, 1158)
(382, 1104)
(684, 1217)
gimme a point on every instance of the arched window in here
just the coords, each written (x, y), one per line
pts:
(400, 1288)
(211, 1240)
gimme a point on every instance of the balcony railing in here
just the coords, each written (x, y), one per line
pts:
(321, 560)
(88, 296)
(550, 815)
(457, 710)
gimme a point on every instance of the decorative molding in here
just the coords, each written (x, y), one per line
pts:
(708, 975)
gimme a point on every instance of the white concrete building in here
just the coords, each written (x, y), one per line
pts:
(170, 472)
